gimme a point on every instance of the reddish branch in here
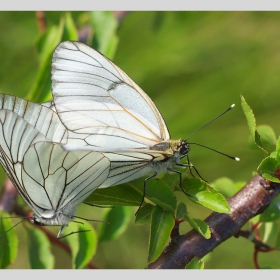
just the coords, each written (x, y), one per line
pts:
(251, 200)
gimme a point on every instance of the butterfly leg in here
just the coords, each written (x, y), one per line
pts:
(191, 166)
(144, 190)
(180, 174)
(60, 231)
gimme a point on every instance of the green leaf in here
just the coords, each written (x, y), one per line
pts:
(267, 136)
(277, 155)
(118, 219)
(225, 185)
(202, 193)
(181, 211)
(83, 244)
(117, 195)
(144, 215)
(200, 226)
(277, 243)
(195, 263)
(46, 43)
(40, 255)
(267, 169)
(131, 194)
(162, 224)
(248, 112)
(8, 242)
(70, 31)
(272, 212)
(158, 192)
(269, 233)
(105, 26)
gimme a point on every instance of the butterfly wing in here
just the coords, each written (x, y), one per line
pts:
(48, 177)
(99, 104)
(56, 180)
(128, 165)
(23, 123)
(42, 118)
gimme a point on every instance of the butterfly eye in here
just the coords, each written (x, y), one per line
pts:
(35, 221)
(184, 148)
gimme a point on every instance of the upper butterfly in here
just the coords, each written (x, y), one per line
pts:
(105, 110)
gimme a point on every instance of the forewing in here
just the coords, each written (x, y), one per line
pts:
(56, 179)
(99, 104)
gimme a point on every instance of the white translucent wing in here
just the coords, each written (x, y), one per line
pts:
(58, 180)
(99, 104)
(40, 117)
(49, 104)
(23, 123)
(127, 165)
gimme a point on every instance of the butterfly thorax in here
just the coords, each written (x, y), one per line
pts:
(172, 148)
(173, 151)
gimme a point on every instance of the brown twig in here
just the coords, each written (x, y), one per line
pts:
(251, 200)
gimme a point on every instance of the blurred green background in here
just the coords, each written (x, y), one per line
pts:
(193, 65)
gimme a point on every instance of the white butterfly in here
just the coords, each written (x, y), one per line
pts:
(104, 110)
(52, 181)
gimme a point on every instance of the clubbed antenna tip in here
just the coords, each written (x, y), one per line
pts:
(228, 109)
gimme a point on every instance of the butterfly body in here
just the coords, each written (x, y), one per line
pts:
(62, 218)
(54, 218)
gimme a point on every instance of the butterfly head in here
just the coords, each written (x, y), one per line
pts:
(34, 220)
(183, 148)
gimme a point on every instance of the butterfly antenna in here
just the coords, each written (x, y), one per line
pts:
(11, 227)
(79, 231)
(90, 220)
(99, 206)
(231, 157)
(77, 222)
(15, 217)
(228, 109)
(73, 232)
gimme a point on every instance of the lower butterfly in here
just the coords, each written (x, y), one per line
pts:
(52, 181)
